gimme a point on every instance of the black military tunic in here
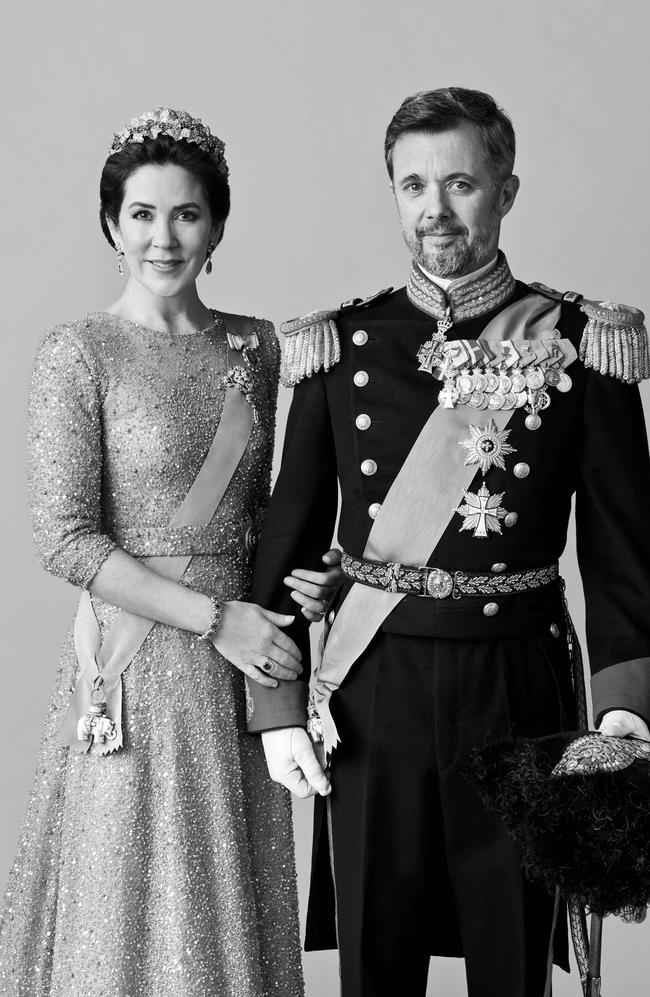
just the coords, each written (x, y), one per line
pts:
(419, 867)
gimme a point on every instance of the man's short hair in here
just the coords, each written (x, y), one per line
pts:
(448, 107)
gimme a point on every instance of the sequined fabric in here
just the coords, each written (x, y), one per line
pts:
(165, 870)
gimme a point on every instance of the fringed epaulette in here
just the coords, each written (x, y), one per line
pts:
(312, 344)
(615, 341)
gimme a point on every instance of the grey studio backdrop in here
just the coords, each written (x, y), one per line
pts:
(301, 91)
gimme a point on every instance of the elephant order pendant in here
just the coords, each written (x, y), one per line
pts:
(95, 726)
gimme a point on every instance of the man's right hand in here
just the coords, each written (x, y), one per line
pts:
(292, 761)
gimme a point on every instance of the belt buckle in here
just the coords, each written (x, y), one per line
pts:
(439, 583)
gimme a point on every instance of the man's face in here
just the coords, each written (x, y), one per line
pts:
(449, 201)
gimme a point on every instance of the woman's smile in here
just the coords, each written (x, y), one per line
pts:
(165, 266)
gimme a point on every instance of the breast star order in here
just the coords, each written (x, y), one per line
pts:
(487, 446)
(482, 512)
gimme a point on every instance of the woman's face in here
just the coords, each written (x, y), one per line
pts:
(164, 228)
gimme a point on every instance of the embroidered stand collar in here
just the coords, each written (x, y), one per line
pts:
(475, 297)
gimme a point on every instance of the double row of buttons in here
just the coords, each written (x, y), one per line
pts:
(369, 467)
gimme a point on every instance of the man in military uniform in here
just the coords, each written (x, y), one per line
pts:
(459, 415)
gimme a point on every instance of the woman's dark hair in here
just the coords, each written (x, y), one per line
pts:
(437, 110)
(158, 152)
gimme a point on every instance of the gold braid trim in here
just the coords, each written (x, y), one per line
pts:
(615, 341)
(311, 344)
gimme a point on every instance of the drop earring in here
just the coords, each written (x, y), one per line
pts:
(208, 261)
(120, 257)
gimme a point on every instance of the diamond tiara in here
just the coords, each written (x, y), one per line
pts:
(178, 125)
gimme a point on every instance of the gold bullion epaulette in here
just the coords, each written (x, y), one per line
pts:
(614, 340)
(311, 342)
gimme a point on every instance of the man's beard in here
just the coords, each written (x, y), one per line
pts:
(459, 257)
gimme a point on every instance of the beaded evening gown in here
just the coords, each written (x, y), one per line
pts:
(165, 869)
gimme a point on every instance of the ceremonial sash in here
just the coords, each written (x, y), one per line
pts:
(105, 661)
(419, 506)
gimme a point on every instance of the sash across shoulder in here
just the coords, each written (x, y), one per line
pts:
(418, 508)
(93, 721)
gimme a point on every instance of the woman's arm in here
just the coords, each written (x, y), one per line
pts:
(65, 458)
(248, 633)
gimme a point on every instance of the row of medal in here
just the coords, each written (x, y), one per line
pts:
(496, 390)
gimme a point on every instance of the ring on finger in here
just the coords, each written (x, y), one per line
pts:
(267, 666)
(324, 606)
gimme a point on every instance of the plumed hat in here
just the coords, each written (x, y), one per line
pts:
(578, 806)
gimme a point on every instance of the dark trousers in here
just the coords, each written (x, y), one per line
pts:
(420, 867)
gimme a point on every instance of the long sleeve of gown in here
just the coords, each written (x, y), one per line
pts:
(65, 460)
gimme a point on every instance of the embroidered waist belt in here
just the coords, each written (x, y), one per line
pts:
(439, 584)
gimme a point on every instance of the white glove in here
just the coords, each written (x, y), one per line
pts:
(620, 723)
(292, 761)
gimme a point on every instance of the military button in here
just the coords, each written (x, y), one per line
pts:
(361, 378)
(490, 609)
(363, 421)
(521, 470)
(374, 509)
(369, 467)
(498, 567)
(360, 337)
(533, 421)
(555, 630)
(511, 518)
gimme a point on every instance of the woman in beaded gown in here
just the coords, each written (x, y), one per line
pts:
(156, 859)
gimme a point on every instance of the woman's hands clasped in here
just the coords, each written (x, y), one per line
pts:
(251, 639)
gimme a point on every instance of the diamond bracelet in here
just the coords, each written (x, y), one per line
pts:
(215, 622)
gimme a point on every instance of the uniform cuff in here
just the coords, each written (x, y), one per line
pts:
(599, 717)
(285, 706)
(623, 686)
